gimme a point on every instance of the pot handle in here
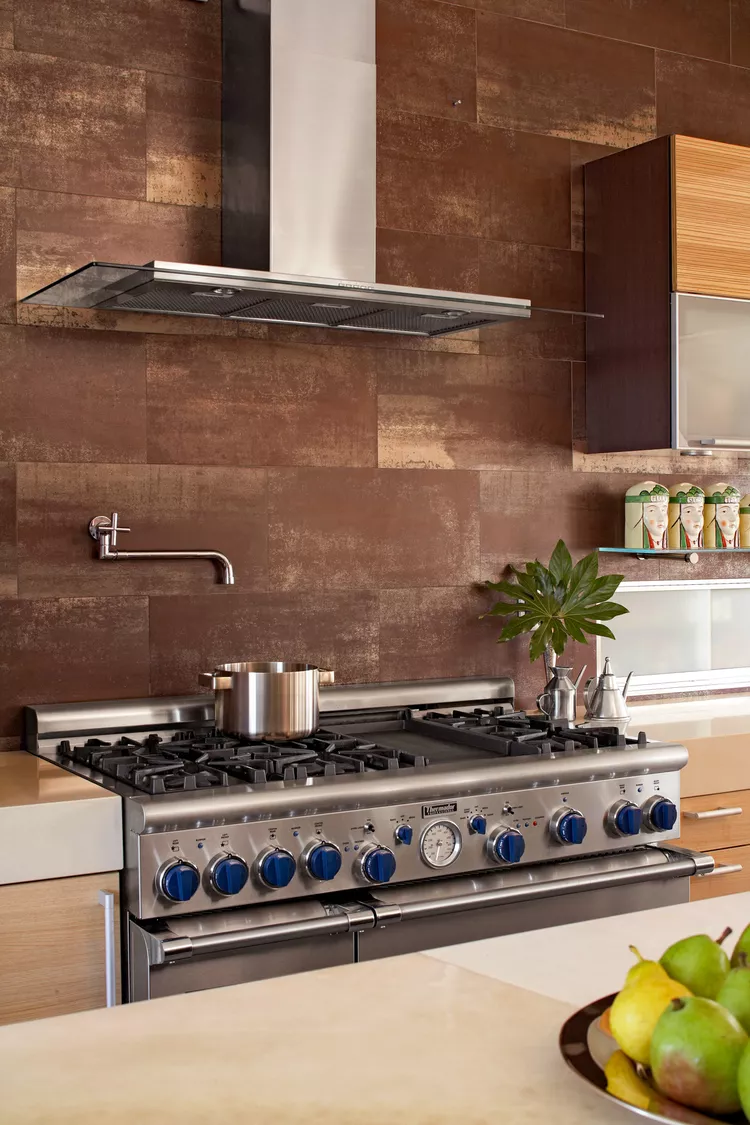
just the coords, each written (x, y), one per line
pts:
(218, 683)
(325, 678)
(542, 707)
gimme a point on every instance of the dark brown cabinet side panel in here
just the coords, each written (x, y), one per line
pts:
(627, 260)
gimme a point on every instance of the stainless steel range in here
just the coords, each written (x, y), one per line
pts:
(419, 815)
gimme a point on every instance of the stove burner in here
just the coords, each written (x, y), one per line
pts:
(516, 734)
(209, 759)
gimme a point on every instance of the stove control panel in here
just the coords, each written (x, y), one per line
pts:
(292, 856)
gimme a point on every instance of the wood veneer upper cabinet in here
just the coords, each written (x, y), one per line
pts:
(52, 946)
(671, 216)
(710, 218)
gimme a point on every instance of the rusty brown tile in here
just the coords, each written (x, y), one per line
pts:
(741, 32)
(6, 25)
(9, 744)
(247, 402)
(426, 55)
(192, 635)
(580, 154)
(57, 233)
(684, 26)
(474, 180)
(702, 99)
(473, 412)
(72, 127)
(61, 650)
(541, 336)
(70, 396)
(8, 580)
(522, 517)
(436, 632)
(169, 36)
(543, 11)
(167, 508)
(7, 256)
(543, 79)
(548, 277)
(183, 141)
(578, 400)
(371, 529)
(429, 260)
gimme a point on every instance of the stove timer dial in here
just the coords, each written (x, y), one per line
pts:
(440, 843)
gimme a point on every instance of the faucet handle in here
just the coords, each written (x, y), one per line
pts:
(109, 524)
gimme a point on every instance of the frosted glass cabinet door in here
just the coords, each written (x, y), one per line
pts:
(711, 371)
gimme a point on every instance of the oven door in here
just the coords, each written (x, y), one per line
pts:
(466, 908)
(234, 946)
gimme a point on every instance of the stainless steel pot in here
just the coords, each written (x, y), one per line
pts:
(267, 699)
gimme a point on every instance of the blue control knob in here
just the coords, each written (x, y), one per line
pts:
(277, 868)
(627, 820)
(180, 881)
(379, 865)
(324, 862)
(662, 814)
(509, 846)
(571, 827)
(229, 875)
(478, 824)
(404, 833)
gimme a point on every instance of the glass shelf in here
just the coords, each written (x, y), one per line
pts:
(686, 556)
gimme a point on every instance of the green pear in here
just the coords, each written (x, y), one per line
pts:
(734, 994)
(743, 1081)
(696, 1050)
(742, 946)
(699, 963)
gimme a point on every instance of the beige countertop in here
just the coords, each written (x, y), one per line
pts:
(710, 716)
(54, 824)
(431, 1039)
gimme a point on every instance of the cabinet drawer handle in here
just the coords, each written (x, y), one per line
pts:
(712, 814)
(107, 900)
(723, 869)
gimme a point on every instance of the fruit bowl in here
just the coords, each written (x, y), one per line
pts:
(587, 1046)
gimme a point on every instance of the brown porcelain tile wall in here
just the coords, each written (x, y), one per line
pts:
(362, 487)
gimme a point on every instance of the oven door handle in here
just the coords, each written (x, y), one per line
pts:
(680, 864)
(172, 947)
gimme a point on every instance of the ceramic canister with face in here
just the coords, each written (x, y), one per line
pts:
(646, 516)
(722, 517)
(745, 521)
(686, 517)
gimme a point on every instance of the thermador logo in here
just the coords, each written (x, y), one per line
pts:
(439, 810)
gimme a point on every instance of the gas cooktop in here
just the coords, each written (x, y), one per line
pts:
(206, 759)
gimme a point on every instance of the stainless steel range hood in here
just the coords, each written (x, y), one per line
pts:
(298, 192)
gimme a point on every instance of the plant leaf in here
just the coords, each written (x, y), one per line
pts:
(597, 629)
(516, 627)
(560, 563)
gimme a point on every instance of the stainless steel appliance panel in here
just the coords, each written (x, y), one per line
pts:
(463, 910)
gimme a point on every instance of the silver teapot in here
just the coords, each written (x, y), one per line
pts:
(605, 702)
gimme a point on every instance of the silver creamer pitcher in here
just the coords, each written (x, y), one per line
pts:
(558, 700)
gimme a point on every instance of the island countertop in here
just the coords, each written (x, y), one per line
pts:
(430, 1038)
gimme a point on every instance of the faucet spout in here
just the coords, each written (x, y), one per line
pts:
(105, 530)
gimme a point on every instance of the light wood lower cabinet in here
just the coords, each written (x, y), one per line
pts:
(712, 886)
(52, 946)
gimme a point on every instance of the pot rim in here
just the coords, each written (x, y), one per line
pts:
(265, 668)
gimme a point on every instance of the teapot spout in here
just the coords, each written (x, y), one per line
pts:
(626, 686)
(579, 677)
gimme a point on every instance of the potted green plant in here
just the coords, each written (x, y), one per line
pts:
(557, 603)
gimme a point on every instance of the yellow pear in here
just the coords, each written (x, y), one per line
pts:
(643, 969)
(624, 1083)
(636, 1011)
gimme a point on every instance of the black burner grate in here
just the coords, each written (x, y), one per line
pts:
(208, 760)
